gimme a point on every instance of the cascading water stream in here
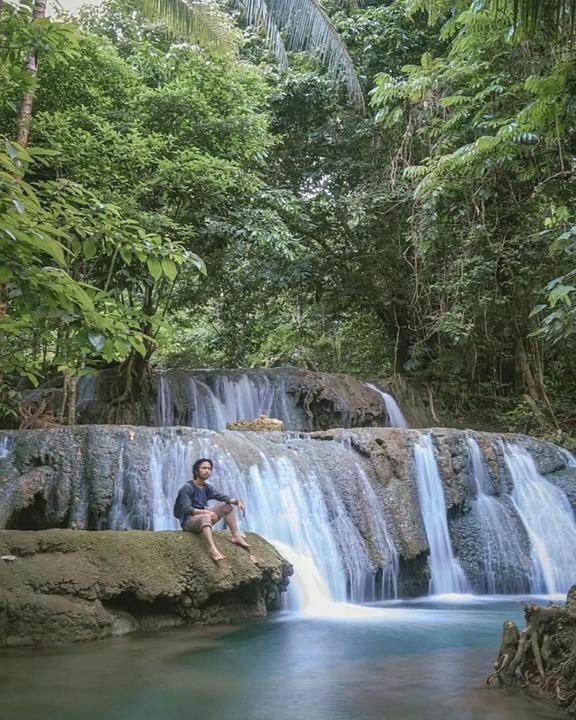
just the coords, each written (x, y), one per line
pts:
(570, 457)
(501, 542)
(4, 447)
(118, 518)
(382, 541)
(446, 574)
(164, 409)
(549, 521)
(395, 415)
(292, 502)
(225, 400)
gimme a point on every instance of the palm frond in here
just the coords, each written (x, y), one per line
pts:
(203, 22)
(257, 13)
(307, 27)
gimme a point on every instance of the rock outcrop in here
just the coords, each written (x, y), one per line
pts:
(302, 399)
(60, 586)
(259, 424)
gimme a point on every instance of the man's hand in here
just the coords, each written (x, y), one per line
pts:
(240, 506)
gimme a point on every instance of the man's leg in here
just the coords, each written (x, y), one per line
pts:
(237, 538)
(202, 524)
(226, 511)
(208, 538)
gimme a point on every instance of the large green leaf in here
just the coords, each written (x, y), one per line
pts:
(41, 242)
(169, 268)
(155, 268)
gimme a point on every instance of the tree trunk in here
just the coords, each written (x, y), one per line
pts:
(532, 372)
(72, 386)
(528, 379)
(30, 66)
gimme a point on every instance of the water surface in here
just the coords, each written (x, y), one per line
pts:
(425, 659)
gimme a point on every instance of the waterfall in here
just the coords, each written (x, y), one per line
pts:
(395, 416)
(132, 498)
(212, 401)
(292, 501)
(4, 447)
(446, 575)
(383, 543)
(502, 544)
(164, 409)
(549, 521)
(86, 390)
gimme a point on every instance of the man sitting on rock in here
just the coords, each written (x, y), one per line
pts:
(190, 508)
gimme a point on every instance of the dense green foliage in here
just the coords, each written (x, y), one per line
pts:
(189, 207)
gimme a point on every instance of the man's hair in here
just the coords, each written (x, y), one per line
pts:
(198, 463)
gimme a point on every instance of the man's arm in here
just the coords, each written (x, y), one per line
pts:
(213, 494)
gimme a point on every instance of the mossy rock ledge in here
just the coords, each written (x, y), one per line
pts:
(61, 586)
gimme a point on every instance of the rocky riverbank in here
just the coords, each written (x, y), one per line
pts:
(60, 586)
(543, 654)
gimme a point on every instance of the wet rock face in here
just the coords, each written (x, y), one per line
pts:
(62, 586)
(389, 456)
(65, 477)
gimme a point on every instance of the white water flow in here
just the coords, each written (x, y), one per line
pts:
(549, 521)
(226, 400)
(4, 447)
(500, 542)
(131, 498)
(570, 458)
(446, 575)
(291, 500)
(383, 542)
(395, 415)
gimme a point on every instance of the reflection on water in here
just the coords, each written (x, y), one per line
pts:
(404, 660)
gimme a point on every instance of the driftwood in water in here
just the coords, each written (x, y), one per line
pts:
(542, 655)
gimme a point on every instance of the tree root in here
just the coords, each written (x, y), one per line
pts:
(34, 415)
(542, 655)
(132, 378)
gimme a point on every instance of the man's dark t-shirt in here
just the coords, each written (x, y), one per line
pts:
(191, 497)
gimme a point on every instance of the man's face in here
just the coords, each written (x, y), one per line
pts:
(204, 470)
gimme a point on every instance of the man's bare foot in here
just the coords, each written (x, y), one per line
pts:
(239, 540)
(254, 559)
(216, 555)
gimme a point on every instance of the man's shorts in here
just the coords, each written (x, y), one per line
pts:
(195, 523)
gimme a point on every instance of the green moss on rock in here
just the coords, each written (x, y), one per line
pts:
(69, 585)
